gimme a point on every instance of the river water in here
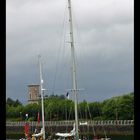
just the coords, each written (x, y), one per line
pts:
(112, 138)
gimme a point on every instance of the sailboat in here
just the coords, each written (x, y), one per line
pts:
(41, 134)
(72, 133)
(75, 131)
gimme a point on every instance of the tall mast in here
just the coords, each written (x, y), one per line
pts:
(74, 82)
(41, 92)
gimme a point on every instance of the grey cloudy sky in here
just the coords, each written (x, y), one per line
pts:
(103, 31)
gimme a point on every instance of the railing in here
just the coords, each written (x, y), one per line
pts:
(70, 123)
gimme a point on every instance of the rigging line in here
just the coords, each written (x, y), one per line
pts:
(57, 116)
(63, 59)
(68, 118)
(81, 50)
(59, 50)
(91, 119)
(66, 111)
(82, 117)
(87, 119)
(71, 106)
(102, 125)
(80, 112)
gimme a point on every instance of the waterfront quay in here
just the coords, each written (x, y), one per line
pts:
(110, 127)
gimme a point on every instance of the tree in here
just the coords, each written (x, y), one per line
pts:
(95, 109)
(120, 107)
(11, 102)
(58, 108)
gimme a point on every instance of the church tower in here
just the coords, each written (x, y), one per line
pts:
(33, 93)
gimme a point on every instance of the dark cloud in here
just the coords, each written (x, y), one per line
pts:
(103, 43)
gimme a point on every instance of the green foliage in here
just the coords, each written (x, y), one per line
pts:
(126, 107)
(31, 119)
(11, 102)
(56, 108)
(121, 107)
(59, 108)
(95, 109)
(31, 110)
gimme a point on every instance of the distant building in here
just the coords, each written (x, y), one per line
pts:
(33, 93)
